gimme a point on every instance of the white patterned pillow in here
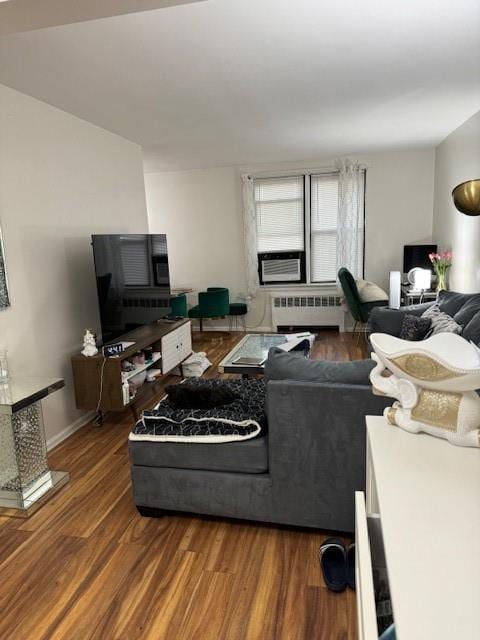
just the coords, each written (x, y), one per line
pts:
(441, 322)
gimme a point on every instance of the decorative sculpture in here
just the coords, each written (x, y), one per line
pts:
(434, 383)
(89, 344)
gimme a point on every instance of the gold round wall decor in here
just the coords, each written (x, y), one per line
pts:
(466, 197)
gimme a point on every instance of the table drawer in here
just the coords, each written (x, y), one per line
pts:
(369, 556)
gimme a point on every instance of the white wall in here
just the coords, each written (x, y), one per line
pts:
(61, 179)
(201, 213)
(457, 159)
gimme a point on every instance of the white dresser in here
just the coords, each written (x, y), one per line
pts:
(420, 519)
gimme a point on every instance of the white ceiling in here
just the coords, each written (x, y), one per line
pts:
(26, 15)
(227, 82)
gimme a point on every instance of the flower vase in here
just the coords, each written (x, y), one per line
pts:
(441, 281)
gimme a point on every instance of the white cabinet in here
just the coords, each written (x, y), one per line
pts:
(176, 346)
(420, 520)
(369, 556)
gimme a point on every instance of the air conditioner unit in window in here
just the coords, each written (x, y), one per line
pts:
(279, 268)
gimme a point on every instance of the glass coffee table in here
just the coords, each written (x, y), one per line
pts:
(254, 346)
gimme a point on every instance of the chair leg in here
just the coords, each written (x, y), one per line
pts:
(201, 324)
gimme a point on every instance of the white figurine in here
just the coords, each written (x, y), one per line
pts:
(89, 346)
(434, 383)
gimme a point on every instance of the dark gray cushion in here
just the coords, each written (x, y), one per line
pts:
(451, 302)
(468, 310)
(471, 331)
(282, 365)
(248, 456)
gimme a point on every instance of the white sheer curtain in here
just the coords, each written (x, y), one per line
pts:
(351, 217)
(250, 236)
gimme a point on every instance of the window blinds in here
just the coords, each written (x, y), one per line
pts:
(323, 227)
(134, 255)
(279, 207)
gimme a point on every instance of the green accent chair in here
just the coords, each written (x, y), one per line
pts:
(178, 305)
(359, 310)
(212, 303)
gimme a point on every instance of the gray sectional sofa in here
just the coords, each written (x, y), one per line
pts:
(464, 308)
(304, 471)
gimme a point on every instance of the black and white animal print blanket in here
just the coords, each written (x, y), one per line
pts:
(242, 419)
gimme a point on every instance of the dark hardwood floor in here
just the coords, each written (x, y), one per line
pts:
(86, 565)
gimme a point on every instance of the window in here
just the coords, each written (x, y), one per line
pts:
(280, 207)
(297, 219)
(323, 227)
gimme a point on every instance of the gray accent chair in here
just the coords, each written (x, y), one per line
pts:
(303, 472)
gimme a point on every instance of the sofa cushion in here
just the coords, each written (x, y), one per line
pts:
(451, 302)
(468, 310)
(247, 456)
(293, 366)
(471, 331)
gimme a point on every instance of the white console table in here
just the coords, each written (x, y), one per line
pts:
(421, 518)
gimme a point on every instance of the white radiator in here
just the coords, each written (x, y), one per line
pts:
(298, 309)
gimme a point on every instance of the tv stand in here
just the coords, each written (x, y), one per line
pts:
(98, 380)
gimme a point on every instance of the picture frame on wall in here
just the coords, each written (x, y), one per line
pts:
(4, 294)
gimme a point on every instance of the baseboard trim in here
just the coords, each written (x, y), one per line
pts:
(62, 435)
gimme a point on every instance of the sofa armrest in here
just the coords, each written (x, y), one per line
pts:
(385, 320)
(317, 446)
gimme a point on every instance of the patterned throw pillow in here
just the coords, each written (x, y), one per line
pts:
(441, 322)
(414, 327)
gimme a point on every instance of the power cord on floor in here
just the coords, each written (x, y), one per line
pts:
(260, 323)
(102, 371)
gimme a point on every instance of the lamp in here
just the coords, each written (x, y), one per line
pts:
(420, 279)
(466, 197)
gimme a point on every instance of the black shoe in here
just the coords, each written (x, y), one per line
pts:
(351, 565)
(333, 560)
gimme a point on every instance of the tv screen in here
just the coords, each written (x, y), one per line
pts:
(133, 282)
(416, 255)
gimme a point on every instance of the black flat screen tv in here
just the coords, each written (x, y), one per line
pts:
(133, 282)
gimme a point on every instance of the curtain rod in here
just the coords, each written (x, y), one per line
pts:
(296, 172)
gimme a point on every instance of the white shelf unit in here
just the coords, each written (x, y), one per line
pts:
(126, 375)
